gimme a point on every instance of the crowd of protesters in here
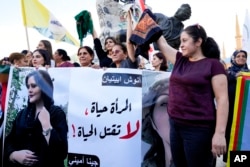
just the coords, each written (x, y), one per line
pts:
(199, 128)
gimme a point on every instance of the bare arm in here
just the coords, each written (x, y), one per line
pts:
(130, 46)
(168, 51)
(219, 83)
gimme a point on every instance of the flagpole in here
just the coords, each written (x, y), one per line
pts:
(27, 38)
(25, 24)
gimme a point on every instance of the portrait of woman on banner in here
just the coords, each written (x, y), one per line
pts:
(38, 136)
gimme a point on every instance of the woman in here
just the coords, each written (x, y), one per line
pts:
(238, 65)
(197, 126)
(40, 58)
(155, 125)
(18, 59)
(62, 59)
(159, 62)
(28, 56)
(86, 56)
(15, 59)
(121, 59)
(39, 133)
(104, 55)
(46, 45)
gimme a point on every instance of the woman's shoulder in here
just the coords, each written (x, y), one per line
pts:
(22, 111)
(55, 109)
(212, 61)
(216, 66)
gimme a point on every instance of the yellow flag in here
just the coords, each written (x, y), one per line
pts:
(35, 15)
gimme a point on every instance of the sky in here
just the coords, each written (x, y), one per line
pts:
(217, 17)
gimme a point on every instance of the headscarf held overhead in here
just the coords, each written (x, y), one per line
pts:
(84, 24)
(145, 32)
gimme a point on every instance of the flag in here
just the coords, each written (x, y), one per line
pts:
(36, 15)
(239, 138)
(246, 33)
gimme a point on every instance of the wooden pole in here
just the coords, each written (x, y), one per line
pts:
(25, 23)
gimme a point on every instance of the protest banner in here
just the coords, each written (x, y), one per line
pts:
(105, 112)
(104, 117)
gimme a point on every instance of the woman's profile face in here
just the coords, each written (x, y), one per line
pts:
(57, 56)
(156, 61)
(188, 46)
(34, 92)
(41, 45)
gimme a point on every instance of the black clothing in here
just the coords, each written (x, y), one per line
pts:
(26, 133)
(104, 60)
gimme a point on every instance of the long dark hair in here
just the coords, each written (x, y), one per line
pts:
(164, 65)
(64, 54)
(48, 47)
(209, 47)
(46, 56)
(111, 38)
(45, 83)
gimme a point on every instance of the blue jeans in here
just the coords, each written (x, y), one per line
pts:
(191, 145)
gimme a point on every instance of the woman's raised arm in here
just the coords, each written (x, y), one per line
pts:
(168, 51)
